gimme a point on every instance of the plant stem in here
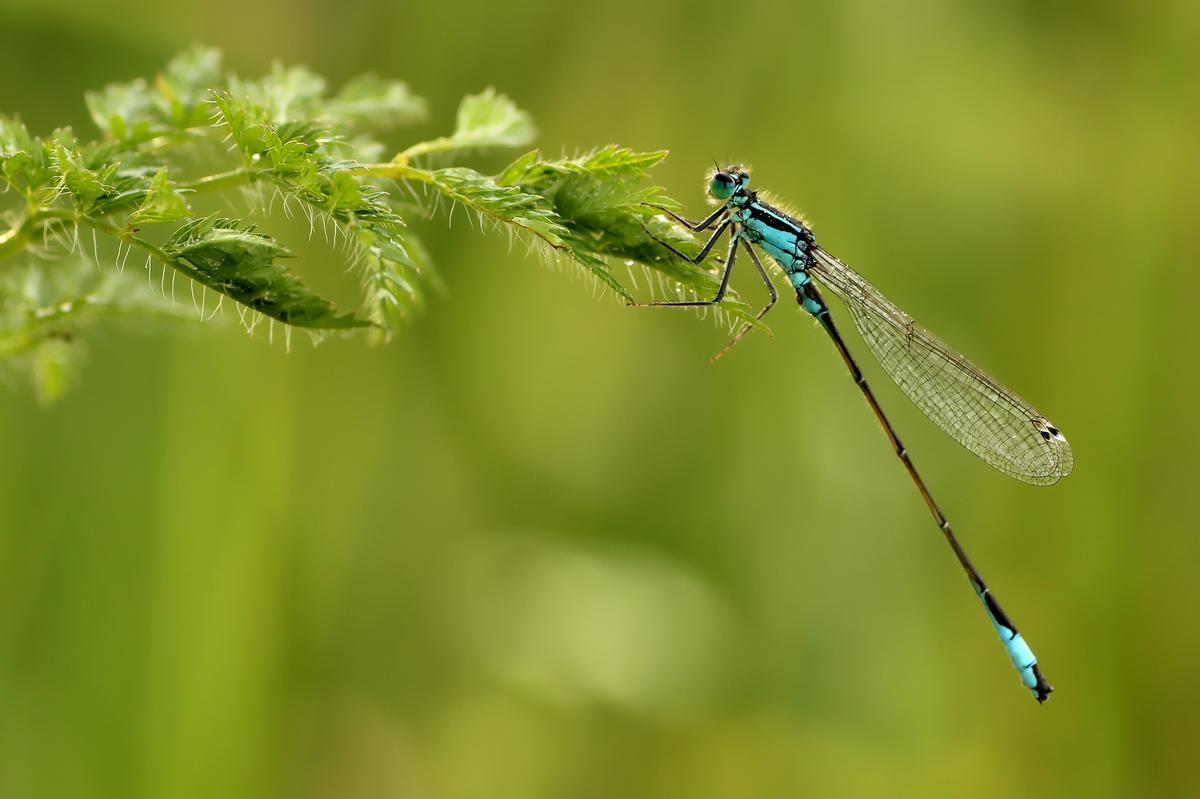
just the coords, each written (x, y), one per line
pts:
(15, 240)
(11, 241)
(124, 235)
(425, 148)
(222, 180)
(397, 169)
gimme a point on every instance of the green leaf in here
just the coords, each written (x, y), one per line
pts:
(245, 122)
(523, 211)
(24, 163)
(135, 112)
(370, 102)
(284, 95)
(126, 112)
(395, 265)
(606, 163)
(85, 185)
(295, 157)
(485, 120)
(601, 202)
(296, 140)
(492, 120)
(234, 260)
(599, 198)
(508, 205)
(184, 85)
(162, 203)
(291, 153)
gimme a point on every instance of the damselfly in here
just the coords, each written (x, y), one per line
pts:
(975, 410)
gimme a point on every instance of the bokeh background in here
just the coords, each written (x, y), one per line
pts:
(538, 546)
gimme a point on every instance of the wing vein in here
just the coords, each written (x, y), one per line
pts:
(968, 404)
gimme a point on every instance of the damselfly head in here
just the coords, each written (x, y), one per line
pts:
(724, 183)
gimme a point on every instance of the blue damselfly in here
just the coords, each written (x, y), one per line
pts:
(975, 410)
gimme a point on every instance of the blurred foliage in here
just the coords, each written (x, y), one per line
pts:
(538, 546)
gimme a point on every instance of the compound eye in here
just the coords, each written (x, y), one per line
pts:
(722, 186)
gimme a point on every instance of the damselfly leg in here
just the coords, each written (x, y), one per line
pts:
(700, 256)
(746, 328)
(690, 225)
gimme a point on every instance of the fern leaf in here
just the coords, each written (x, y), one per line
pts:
(508, 205)
(369, 102)
(162, 203)
(236, 261)
(485, 121)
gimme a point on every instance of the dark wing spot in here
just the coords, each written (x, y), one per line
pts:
(1048, 431)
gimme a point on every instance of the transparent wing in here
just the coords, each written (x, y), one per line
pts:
(976, 411)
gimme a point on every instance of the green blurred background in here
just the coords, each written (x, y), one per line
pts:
(538, 546)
